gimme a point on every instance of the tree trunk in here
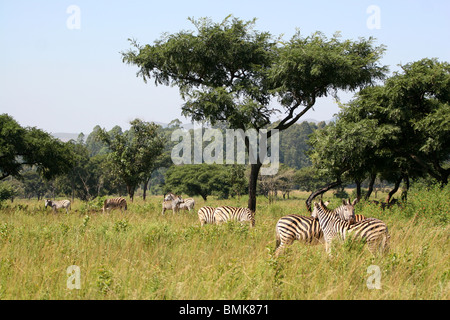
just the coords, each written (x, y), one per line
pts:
(371, 184)
(130, 190)
(393, 191)
(321, 191)
(254, 171)
(144, 194)
(358, 190)
(406, 188)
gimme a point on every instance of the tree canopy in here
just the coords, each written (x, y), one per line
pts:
(133, 154)
(228, 71)
(25, 147)
(398, 130)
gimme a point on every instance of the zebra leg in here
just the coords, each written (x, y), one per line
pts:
(328, 247)
(281, 246)
(278, 250)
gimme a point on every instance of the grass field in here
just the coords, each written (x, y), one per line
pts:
(144, 255)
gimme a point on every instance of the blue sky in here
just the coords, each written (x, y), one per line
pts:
(69, 80)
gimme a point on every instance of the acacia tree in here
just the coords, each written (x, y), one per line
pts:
(133, 153)
(229, 71)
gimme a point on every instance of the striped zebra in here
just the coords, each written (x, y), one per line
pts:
(206, 215)
(187, 204)
(373, 231)
(171, 196)
(171, 204)
(307, 229)
(58, 205)
(114, 203)
(295, 227)
(347, 210)
(227, 213)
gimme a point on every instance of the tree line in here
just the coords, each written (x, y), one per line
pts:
(120, 162)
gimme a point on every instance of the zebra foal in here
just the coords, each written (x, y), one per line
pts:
(114, 203)
(373, 231)
(58, 205)
(206, 215)
(227, 213)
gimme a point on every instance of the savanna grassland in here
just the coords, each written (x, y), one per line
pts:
(141, 254)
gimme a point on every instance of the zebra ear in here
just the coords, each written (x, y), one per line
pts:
(355, 201)
(344, 202)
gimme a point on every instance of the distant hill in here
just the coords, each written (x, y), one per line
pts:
(64, 137)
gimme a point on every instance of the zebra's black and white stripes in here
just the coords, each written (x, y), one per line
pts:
(58, 204)
(227, 213)
(373, 231)
(206, 215)
(187, 204)
(175, 202)
(295, 227)
(171, 204)
(114, 203)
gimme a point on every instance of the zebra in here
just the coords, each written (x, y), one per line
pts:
(295, 227)
(227, 213)
(170, 196)
(113, 203)
(373, 231)
(347, 210)
(171, 204)
(206, 215)
(58, 205)
(187, 204)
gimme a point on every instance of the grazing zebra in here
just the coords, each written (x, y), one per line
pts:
(187, 204)
(373, 231)
(227, 213)
(58, 205)
(114, 203)
(295, 227)
(206, 215)
(171, 204)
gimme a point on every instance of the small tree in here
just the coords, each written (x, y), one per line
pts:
(133, 153)
(200, 179)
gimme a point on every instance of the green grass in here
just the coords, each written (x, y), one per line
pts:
(144, 255)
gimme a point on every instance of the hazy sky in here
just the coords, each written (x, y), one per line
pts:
(64, 79)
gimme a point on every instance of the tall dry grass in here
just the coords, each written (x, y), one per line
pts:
(144, 255)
